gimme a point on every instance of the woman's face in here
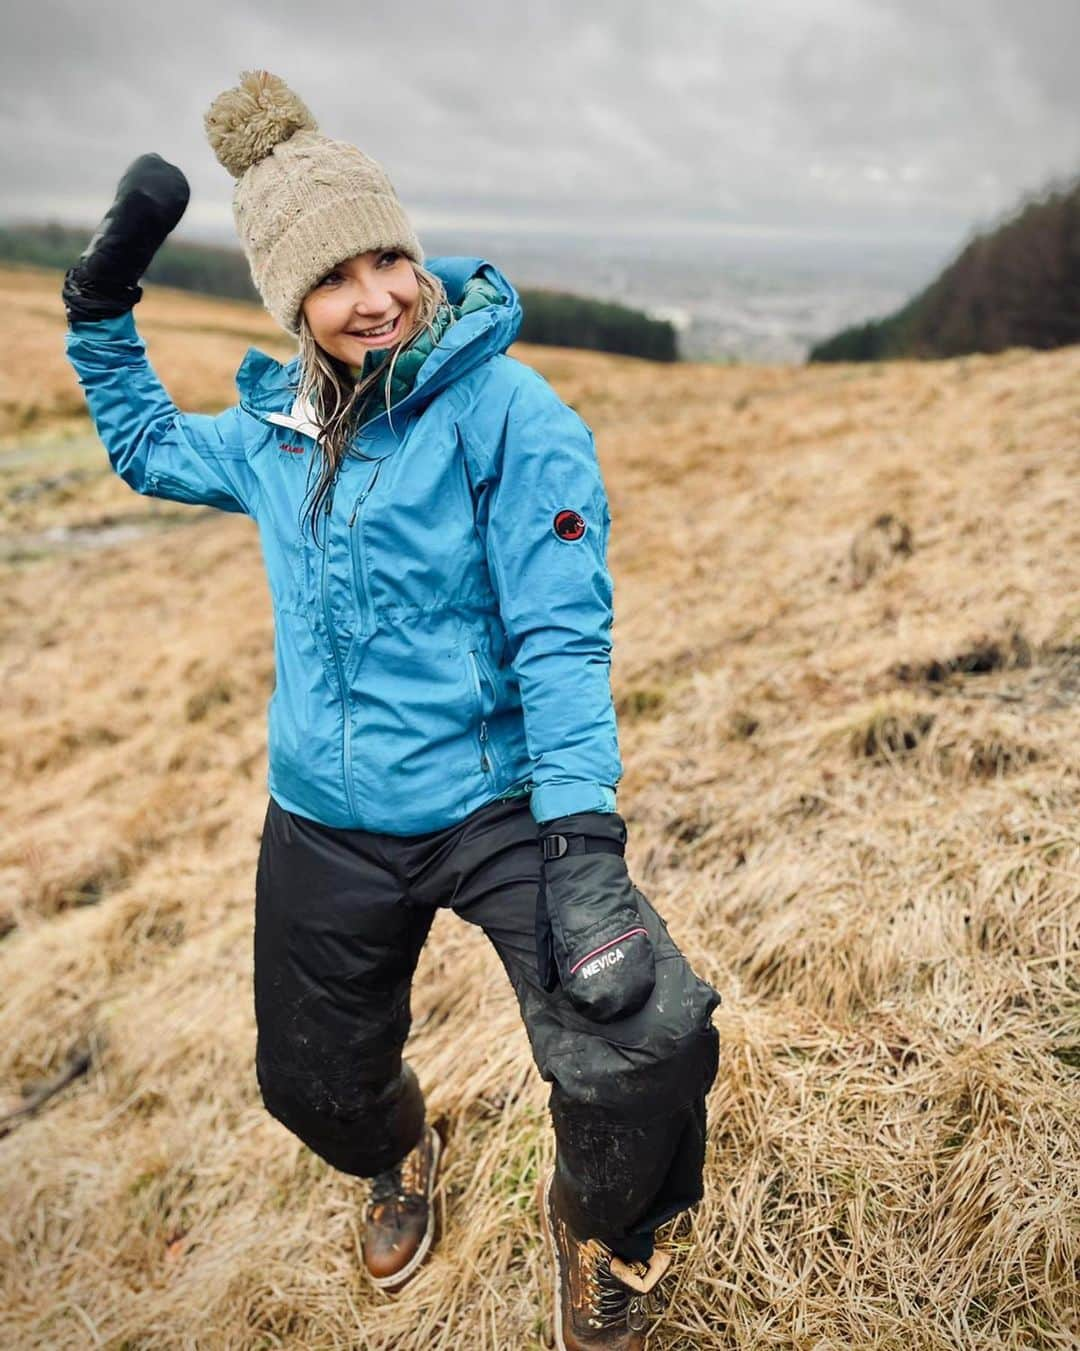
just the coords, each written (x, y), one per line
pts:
(367, 292)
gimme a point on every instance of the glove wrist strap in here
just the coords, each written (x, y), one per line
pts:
(558, 846)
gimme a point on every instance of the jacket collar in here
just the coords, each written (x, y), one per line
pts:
(268, 387)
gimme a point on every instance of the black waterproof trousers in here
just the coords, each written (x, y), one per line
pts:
(341, 917)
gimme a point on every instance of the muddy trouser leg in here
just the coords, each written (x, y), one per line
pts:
(628, 1097)
(335, 950)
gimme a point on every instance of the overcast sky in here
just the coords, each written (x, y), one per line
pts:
(899, 119)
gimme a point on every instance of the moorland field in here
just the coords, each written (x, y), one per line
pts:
(847, 668)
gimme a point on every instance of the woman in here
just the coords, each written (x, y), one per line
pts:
(434, 527)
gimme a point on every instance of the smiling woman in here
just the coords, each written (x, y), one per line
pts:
(442, 731)
(343, 369)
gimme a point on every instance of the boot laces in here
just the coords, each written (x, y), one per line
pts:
(613, 1303)
(402, 1183)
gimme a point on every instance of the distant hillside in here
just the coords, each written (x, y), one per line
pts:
(189, 267)
(1015, 286)
(551, 318)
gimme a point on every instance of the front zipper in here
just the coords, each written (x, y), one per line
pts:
(356, 543)
(485, 742)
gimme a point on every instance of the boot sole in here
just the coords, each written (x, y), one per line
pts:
(543, 1189)
(399, 1278)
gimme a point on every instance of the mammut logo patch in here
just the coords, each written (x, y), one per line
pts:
(293, 450)
(602, 962)
(568, 525)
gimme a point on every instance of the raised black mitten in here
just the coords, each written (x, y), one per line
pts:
(150, 200)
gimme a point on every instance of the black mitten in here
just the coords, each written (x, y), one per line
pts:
(150, 200)
(589, 932)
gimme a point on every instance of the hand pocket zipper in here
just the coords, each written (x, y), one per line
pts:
(479, 676)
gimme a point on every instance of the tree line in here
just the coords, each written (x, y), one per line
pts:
(550, 318)
(1015, 286)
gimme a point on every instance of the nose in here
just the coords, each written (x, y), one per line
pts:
(371, 300)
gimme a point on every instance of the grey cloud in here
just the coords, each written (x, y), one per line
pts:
(885, 117)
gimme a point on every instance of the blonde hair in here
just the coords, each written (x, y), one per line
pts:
(339, 399)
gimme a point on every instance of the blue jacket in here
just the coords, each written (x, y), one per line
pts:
(451, 643)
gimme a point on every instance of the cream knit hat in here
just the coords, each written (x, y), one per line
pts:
(302, 202)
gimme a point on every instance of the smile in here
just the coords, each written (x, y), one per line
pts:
(384, 332)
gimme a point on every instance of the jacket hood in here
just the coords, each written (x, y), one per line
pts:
(268, 387)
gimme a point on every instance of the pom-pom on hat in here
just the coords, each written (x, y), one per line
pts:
(302, 202)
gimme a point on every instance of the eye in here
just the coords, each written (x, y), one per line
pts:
(330, 276)
(392, 254)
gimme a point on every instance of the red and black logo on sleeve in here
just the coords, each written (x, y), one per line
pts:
(568, 525)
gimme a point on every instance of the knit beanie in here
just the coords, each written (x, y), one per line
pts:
(302, 203)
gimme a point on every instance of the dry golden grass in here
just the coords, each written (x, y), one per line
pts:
(851, 780)
(194, 341)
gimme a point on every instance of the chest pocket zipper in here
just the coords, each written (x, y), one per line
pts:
(364, 495)
(479, 675)
(362, 581)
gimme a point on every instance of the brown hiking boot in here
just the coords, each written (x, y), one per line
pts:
(601, 1302)
(400, 1216)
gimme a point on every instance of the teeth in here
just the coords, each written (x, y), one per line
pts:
(375, 332)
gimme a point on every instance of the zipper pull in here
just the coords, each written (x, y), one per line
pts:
(485, 763)
(364, 495)
(358, 504)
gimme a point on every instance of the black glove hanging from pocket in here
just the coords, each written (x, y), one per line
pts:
(589, 932)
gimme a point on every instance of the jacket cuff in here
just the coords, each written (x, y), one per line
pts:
(118, 326)
(565, 799)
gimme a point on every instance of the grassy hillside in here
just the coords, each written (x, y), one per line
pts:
(1015, 286)
(847, 663)
(196, 344)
